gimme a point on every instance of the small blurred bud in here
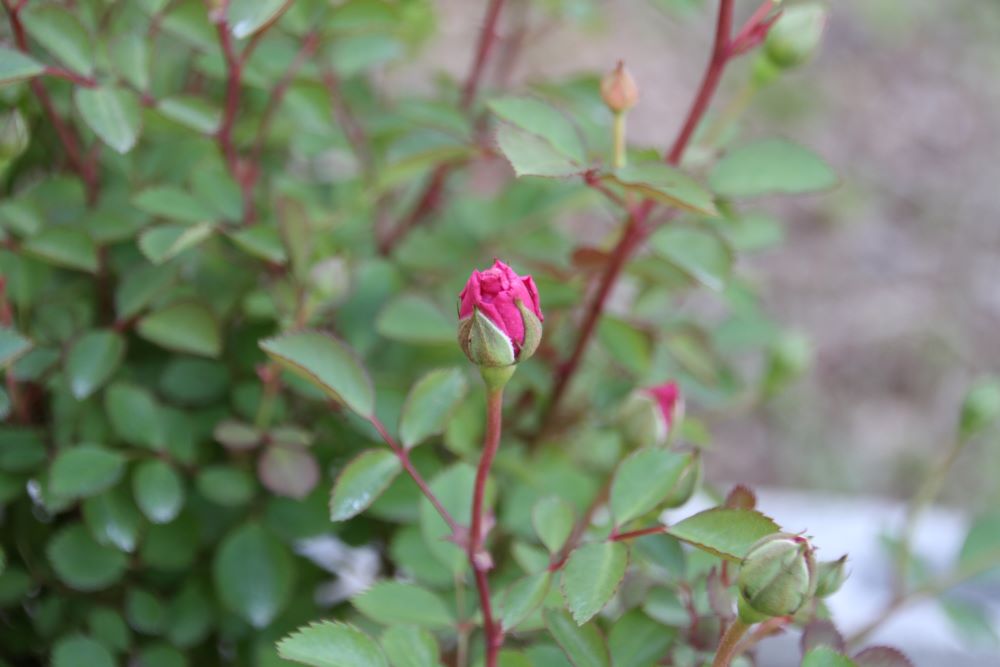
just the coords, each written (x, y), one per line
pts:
(687, 484)
(619, 90)
(14, 137)
(741, 498)
(764, 71)
(830, 576)
(980, 408)
(777, 577)
(789, 356)
(649, 415)
(795, 36)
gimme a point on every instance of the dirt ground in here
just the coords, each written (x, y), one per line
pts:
(894, 275)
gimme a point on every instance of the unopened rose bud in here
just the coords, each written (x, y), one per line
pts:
(14, 136)
(777, 577)
(686, 485)
(619, 90)
(830, 576)
(500, 319)
(788, 357)
(980, 408)
(795, 36)
(649, 415)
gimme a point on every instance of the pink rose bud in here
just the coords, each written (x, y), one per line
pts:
(500, 319)
(619, 90)
(649, 415)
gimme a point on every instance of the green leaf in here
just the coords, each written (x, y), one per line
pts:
(643, 481)
(248, 16)
(352, 54)
(288, 471)
(158, 490)
(331, 644)
(85, 470)
(12, 346)
(553, 520)
(113, 519)
(61, 33)
(168, 201)
(771, 166)
(398, 603)
(139, 288)
(628, 345)
(981, 548)
(636, 640)
(539, 118)
(16, 66)
(77, 650)
(112, 113)
(108, 626)
(225, 485)
(81, 562)
(667, 185)
(129, 54)
(591, 576)
(164, 242)
(531, 155)
(69, 247)
(409, 646)
(327, 363)
(523, 597)
(411, 318)
(583, 645)
(698, 253)
(824, 656)
(184, 326)
(254, 574)
(135, 415)
(161, 655)
(144, 611)
(261, 242)
(192, 112)
(430, 405)
(727, 533)
(92, 360)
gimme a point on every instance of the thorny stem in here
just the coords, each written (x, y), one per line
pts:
(404, 457)
(730, 641)
(635, 229)
(86, 166)
(479, 558)
(427, 202)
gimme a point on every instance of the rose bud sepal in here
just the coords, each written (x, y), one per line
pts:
(687, 485)
(484, 343)
(830, 576)
(777, 576)
(532, 331)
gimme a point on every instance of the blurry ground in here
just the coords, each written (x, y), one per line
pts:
(895, 275)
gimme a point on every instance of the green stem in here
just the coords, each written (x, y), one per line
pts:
(618, 137)
(730, 641)
(925, 495)
(729, 114)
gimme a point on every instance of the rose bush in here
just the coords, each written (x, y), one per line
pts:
(238, 427)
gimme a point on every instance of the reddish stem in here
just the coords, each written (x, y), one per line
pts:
(234, 76)
(404, 458)
(652, 530)
(309, 45)
(709, 83)
(87, 168)
(352, 128)
(60, 73)
(429, 199)
(487, 38)
(635, 228)
(479, 558)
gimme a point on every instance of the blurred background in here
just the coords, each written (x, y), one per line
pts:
(892, 277)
